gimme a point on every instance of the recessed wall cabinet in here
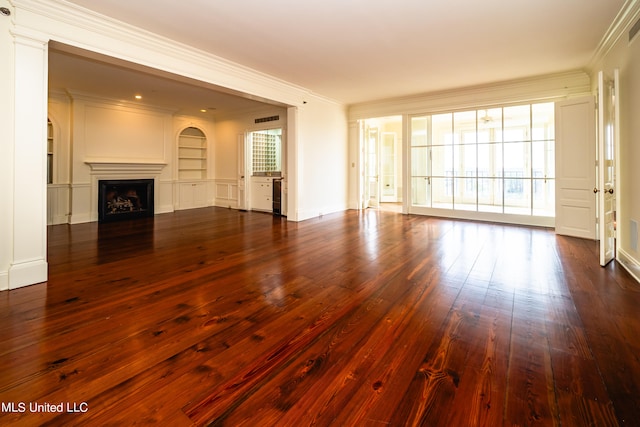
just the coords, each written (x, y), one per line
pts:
(192, 154)
(192, 195)
(262, 194)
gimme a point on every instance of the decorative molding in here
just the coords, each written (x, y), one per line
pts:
(120, 166)
(98, 33)
(535, 89)
(629, 263)
(629, 13)
(27, 273)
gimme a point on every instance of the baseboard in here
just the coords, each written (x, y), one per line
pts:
(630, 264)
(303, 215)
(4, 280)
(80, 218)
(226, 203)
(163, 209)
(27, 273)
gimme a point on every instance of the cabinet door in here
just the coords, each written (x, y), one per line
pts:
(200, 195)
(186, 196)
(261, 194)
(192, 195)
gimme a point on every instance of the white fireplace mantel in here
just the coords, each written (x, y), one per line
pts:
(119, 166)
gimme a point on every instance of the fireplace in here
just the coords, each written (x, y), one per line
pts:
(125, 199)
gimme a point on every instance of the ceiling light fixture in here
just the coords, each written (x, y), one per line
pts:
(204, 110)
(138, 97)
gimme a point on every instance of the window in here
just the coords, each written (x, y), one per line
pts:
(266, 151)
(498, 160)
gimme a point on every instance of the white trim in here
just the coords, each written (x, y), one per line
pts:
(629, 13)
(226, 193)
(4, 280)
(26, 273)
(630, 264)
(528, 220)
(115, 166)
(532, 90)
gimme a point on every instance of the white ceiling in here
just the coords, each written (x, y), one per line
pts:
(361, 50)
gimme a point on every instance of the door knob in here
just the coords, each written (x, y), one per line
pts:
(610, 191)
(595, 190)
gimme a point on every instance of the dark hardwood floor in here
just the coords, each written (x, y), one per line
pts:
(220, 317)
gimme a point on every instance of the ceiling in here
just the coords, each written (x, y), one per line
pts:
(361, 50)
(87, 73)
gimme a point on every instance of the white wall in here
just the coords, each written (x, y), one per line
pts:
(6, 146)
(322, 159)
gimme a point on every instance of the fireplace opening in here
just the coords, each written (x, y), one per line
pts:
(125, 199)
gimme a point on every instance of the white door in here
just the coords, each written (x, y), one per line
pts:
(388, 192)
(607, 133)
(242, 168)
(575, 167)
(372, 165)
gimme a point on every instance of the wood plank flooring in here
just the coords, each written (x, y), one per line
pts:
(219, 317)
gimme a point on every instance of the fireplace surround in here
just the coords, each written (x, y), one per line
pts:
(120, 199)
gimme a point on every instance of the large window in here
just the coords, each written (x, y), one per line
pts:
(498, 160)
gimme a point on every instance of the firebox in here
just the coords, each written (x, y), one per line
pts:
(125, 199)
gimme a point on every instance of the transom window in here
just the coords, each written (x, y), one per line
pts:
(499, 160)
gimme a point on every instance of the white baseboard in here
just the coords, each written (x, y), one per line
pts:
(27, 273)
(226, 203)
(4, 280)
(163, 209)
(630, 264)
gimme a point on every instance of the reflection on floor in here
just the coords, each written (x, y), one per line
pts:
(391, 207)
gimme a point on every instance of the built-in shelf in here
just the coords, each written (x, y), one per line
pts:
(49, 152)
(192, 154)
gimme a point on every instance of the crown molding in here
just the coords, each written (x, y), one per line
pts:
(82, 28)
(629, 14)
(533, 89)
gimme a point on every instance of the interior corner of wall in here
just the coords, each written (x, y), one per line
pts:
(4, 280)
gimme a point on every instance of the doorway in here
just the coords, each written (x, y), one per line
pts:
(260, 169)
(381, 152)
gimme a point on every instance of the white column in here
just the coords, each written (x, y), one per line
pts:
(6, 145)
(29, 257)
(293, 165)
